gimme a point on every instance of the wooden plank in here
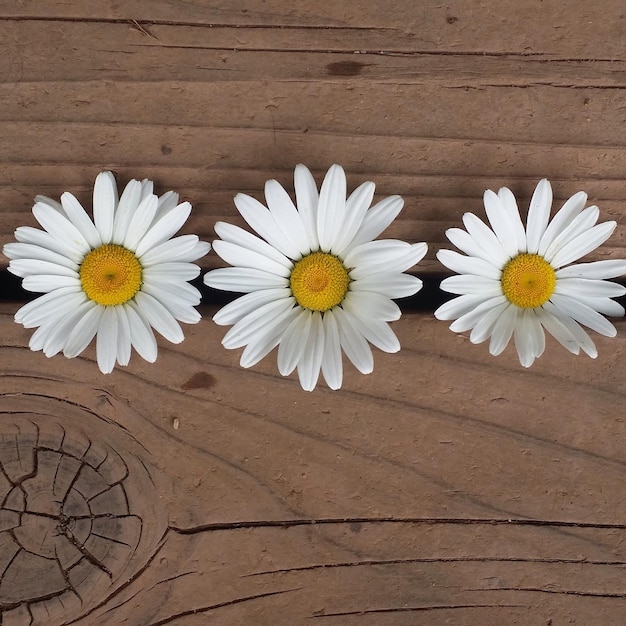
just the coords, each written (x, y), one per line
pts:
(462, 492)
(506, 26)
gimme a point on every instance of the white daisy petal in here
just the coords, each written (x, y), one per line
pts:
(141, 335)
(397, 262)
(236, 235)
(510, 206)
(372, 305)
(244, 257)
(78, 216)
(332, 368)
(502, 330)
(52, 338)
(468, 264)
(589, 288)
(501, 222)
(159, 317)
(606, 306)
(164, 228)
(239, 308)
(32, 236)
(377, 333)
(486, 239)
(373, 253)
(536, 333)
(558, 330)
(60, 228)
(524, 339)
(260, 219)
(353, 343)
(51, 306)
(129, 201)
(147, 189)
(562, 220)
(172, 271)
(583, 314)
(286, 215)
(181, 309)
(467, 244)
(31, 267)
(458, 307)
(538, 215)
(307, 198)
(483, 328)
(178, 289)
(468, 284)
(167, 202)
(293, 342)
(356, 207)
(31, 251)
(389, 285)
(254, 322)
(262, 335)
(49, 282)
(595, 270)
(83, 332)
(311, 361)
(106, 340)
(471, 318)
(259, 347)
(104, 205)
(184, 249)
(578, 226)
(50, 202)
(139, 223)
(377, 219)
(124, 337)
(243, 279)
(583, 244)
(331, 208)
(581, 336)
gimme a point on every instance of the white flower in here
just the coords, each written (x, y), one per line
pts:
(316, 283)
(516, 281)
(115, 277)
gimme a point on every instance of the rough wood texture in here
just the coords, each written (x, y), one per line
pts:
(448, 487)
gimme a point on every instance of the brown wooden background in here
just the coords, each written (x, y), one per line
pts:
(448, 487)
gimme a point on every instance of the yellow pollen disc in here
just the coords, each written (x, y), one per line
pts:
(319, 281)
(110, 275)
(528, 280)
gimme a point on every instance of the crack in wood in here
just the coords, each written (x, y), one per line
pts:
(459, 559)
(429, 521)
(417, 609)
(220, 605)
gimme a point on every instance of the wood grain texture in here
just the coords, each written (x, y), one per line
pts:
(429, 102)
(466, 492)
(448, 487)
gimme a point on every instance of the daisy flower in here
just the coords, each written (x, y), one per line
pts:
(516, 281)
(116, 277)
(315, 281)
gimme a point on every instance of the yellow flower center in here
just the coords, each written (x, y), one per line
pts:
(110, 275)
(528, 280)
(319, 281)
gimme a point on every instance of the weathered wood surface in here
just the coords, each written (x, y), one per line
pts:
(448, 487)
(432, 102)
